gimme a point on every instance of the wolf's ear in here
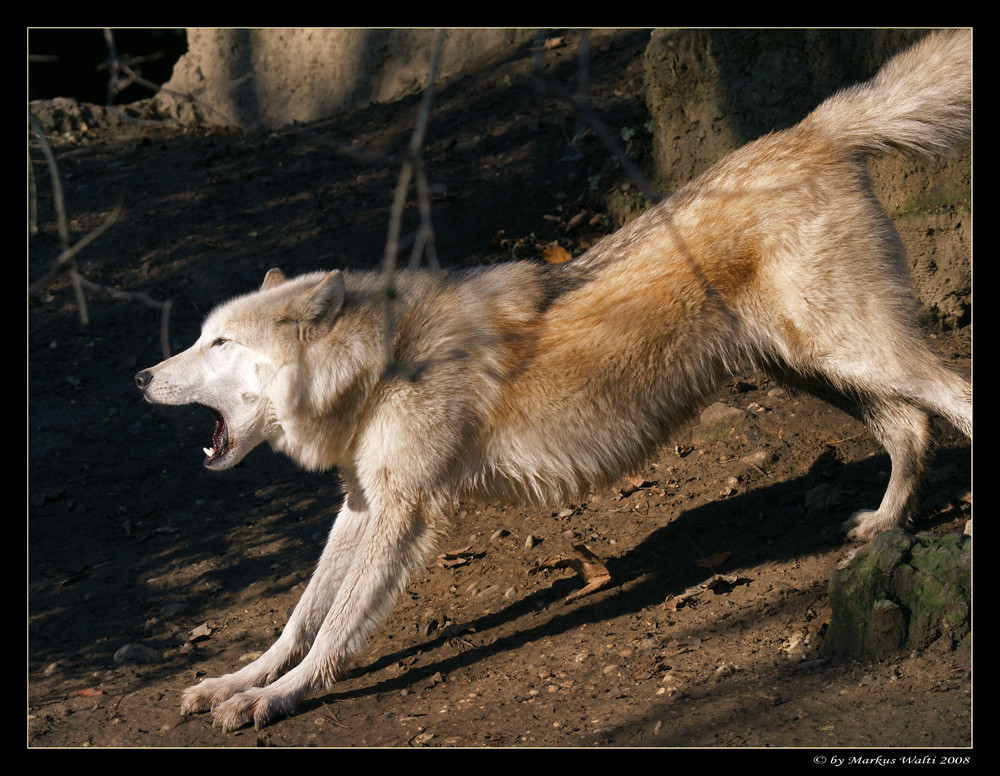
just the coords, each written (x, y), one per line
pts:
(274, 277)
(318, 307)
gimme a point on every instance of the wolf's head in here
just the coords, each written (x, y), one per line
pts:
(244, 366)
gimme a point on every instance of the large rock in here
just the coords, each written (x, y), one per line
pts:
(901, 592)
(273, 77)
(710, 91)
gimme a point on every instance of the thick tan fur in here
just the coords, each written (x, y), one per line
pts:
(539, 382)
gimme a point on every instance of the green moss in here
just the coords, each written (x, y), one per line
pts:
(952, 197)
(900, 592)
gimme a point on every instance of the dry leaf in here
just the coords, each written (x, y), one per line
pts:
(713, 560)
(590, 568)
(453, 558)
(203, 631)
(824, 618)
(90, 692)
(576, 220)
(629, 485)
(556, 254)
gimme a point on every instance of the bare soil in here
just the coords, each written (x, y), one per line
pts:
(131, 542)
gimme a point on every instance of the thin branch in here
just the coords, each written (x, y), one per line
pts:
(142, 298)
(582, 106)
(112, 63)
(61, 219)
(580, 102)
(410, 161)
(424, 240)
(66, 260)
(121, 75)
(57, 192)
(412, 167)
(68, 254)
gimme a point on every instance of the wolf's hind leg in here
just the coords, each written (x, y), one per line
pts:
(919, 386)
(904, 431)
(894, 393)
(306, 619)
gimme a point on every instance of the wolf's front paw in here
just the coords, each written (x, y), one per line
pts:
(211, 692)
(259, 705)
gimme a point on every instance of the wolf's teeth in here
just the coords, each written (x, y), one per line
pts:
(209, 452)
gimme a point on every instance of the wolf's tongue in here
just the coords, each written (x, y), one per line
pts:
(220, 437)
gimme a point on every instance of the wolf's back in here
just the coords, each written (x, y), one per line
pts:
(920, 101)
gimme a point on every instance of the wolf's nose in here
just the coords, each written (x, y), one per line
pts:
(143, 379)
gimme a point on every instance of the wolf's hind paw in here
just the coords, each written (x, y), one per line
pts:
(866, 524)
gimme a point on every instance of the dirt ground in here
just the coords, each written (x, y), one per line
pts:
(131, 542)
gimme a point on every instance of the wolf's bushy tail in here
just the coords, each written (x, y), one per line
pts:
(919, 101)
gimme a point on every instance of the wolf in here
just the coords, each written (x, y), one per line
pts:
(538, 382)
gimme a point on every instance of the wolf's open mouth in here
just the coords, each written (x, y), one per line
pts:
(220, 438)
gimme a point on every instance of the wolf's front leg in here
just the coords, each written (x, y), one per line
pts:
(395, 543)
(306, 619)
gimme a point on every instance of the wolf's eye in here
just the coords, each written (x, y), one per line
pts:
(220, 341)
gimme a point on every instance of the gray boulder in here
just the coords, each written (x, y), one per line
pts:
(901, 593)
